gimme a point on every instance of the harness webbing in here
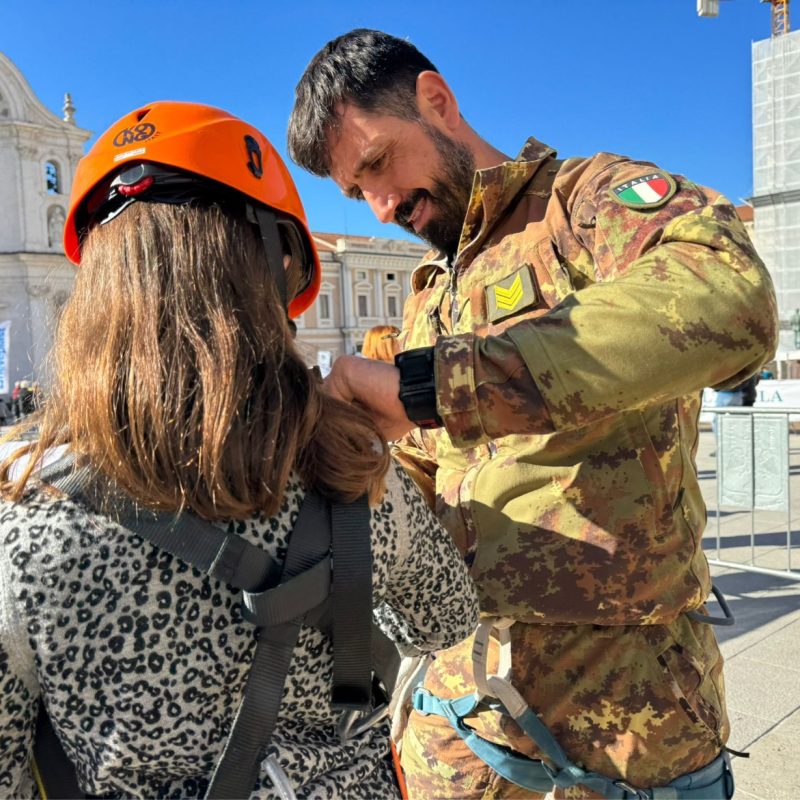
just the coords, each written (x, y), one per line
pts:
(310, 587)
(237, 769)
(352, 609)
(60, 782)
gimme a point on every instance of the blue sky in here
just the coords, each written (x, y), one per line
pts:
(647, 78)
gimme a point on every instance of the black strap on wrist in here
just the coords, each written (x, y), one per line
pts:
(418, 386)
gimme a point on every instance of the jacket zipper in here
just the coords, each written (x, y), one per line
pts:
(453, 297)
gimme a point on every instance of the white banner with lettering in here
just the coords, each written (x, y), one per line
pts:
(5, 334)
(769, 394)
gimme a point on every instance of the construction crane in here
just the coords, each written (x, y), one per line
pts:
(780, 16)
(780, 13)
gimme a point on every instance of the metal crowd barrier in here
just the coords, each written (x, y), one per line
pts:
(754, 473)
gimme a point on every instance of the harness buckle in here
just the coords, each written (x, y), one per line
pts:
(420, 690)
(480, 654)
(280, 780)
(508, 696)
(352, 723)
(640, 794)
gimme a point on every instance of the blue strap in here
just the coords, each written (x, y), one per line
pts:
(545, 741)
(566, 773)
(424, 702)
(521, 770)
(712, 782)
(527, 772)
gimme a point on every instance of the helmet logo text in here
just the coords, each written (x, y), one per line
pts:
(138, 133)
(254, 163)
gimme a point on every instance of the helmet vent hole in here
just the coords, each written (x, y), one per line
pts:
(142, 114)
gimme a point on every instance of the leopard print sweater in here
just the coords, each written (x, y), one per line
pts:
(140, 659)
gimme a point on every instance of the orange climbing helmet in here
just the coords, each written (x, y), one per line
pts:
(172, 152)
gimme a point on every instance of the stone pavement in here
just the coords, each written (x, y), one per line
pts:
(762, 651)
(762, 677)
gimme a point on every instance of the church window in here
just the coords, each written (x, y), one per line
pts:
(4, 109)
(52, 178)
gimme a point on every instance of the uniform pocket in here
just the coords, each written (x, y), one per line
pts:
(554, 279)
(692, 671)
(647, 455)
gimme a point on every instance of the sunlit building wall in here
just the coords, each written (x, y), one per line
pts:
(776, 163)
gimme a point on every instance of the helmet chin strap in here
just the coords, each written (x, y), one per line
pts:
(268, 227)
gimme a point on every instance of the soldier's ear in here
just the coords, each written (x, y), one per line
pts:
(436, 102)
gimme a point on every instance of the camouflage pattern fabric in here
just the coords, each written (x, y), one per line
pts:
(573, 335)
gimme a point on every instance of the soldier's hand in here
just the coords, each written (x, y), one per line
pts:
(374, 385)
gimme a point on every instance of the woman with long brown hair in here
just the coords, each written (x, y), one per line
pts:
(188, 416)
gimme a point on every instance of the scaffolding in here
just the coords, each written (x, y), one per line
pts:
(776, 163)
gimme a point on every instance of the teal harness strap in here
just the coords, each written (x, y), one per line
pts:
(521, 770)
(712, 782)
(530, 773)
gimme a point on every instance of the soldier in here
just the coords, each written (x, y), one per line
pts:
(556, 344)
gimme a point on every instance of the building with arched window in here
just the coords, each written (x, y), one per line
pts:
(38, 155)
(365, 281)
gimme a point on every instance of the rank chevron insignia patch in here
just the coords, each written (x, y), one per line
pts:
(507, 299)
(510, 295)
(647, 191)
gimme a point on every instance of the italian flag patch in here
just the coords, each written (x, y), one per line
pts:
(646, 191)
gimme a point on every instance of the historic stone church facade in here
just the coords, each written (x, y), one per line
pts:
(38, 155)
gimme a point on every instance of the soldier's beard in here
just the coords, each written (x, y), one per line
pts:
(449, 196)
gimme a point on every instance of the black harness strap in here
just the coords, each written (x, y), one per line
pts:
(223, 556)
(307, 564)
(226, 557)
(237, 770)
(352, 608)
(53, 771)
(280, 604)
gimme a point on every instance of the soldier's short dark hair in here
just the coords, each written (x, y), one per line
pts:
(370, 69)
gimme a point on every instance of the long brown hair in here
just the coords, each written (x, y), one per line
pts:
(177, 377)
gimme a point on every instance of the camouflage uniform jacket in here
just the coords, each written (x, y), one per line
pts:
(573, 335)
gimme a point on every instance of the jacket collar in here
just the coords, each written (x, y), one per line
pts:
(493, 190)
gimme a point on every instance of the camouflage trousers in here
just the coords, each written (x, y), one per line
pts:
(640, 703)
